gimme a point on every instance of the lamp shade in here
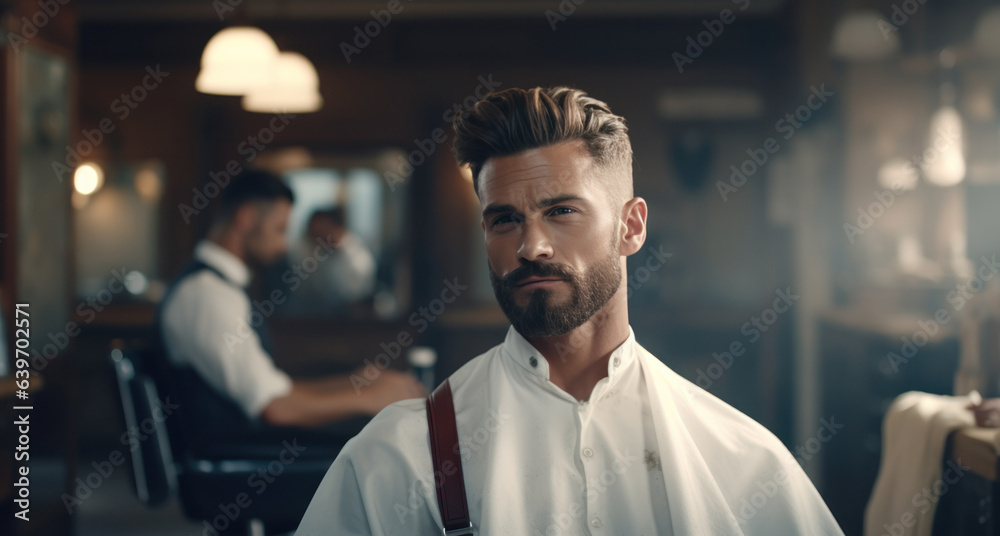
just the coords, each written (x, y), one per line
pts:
(236, 60)
(292, 87)
(864, 35)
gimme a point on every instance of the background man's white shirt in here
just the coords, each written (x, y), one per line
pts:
(206, 325)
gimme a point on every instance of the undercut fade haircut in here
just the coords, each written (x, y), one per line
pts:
(507, 122)
(251, 186)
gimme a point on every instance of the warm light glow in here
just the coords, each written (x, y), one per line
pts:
(79, 201)
(864, 35)
(293, 87)
(898, 174)
(285, 159)
(147, 184)
(235, 61)
(466, 172)
(88, 178)
(944, 157)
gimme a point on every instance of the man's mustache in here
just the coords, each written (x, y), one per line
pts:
(538, 269)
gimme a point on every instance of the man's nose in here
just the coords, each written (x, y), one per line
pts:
(535, 242)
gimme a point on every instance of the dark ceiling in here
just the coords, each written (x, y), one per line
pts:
(357, 9)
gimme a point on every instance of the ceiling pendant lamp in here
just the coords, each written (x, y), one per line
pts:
(292, 87)
(235, 61)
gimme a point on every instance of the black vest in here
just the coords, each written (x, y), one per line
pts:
(205, 417)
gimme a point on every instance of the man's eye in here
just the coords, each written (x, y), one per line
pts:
(505, 219)
(562, 210)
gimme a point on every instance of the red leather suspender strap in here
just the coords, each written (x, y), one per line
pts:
(447, 460)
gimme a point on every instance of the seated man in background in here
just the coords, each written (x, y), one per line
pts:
(218, 349)
(569, 426)
(346, 273)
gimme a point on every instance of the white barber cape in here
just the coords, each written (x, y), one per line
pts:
(649, 454)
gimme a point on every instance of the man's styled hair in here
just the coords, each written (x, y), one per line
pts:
(507, 122)
(334, 214)
(251, 186)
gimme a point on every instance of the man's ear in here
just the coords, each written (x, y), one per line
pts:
(633, 225)
(246, 217)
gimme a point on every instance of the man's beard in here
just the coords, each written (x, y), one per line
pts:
(255, 259)
(590, 291)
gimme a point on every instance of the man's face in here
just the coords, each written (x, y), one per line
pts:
(552, 237)
(265, 242)
(325, 228)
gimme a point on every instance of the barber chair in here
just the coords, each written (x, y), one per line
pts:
(236, 488)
